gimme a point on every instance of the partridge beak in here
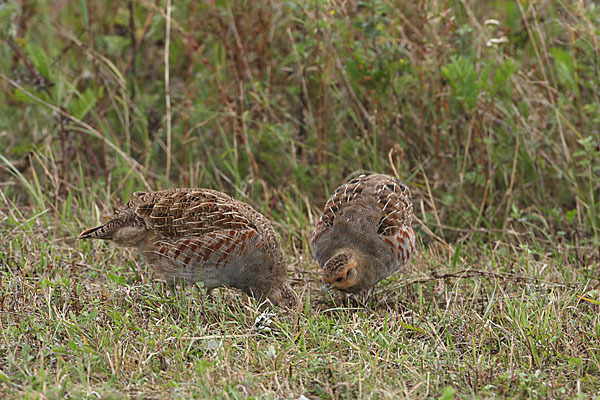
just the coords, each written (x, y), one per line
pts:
(325, 288)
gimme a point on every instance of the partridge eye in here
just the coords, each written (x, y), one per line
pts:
(339, 279)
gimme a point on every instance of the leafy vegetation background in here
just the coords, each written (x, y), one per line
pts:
(488, 110)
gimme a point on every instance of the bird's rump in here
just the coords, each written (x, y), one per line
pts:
(389, 195)
(176, 213)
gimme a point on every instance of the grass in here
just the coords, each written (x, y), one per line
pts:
(488, 110)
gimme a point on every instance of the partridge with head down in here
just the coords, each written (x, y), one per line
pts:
(365, 233)
(201, 235)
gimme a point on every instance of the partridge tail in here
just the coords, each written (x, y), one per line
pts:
(105, 231)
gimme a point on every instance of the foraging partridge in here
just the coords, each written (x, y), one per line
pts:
(365, 233)
(191, 235)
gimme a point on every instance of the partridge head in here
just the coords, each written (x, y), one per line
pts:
(201, 235)
(365, 233)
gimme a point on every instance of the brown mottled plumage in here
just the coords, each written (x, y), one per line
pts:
(191, 235)
(365, 233)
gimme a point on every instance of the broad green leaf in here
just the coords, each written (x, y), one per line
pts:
(565, 68)
(39, 59)
(84, 12)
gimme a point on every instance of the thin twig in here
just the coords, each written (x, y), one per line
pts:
(138, 44)
(509, 194)
(467, 147)
(167, 89)
(435, 212)
(474, 273)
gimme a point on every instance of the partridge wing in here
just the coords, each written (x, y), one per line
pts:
(216, 248)
(393, 198)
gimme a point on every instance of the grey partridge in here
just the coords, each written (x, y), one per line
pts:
(365, 233)
(191, 235)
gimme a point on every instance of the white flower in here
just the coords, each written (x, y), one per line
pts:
(491, 21)
(271, 353)
(494, 41)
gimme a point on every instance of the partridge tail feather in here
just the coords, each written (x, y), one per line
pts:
(99, 232)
